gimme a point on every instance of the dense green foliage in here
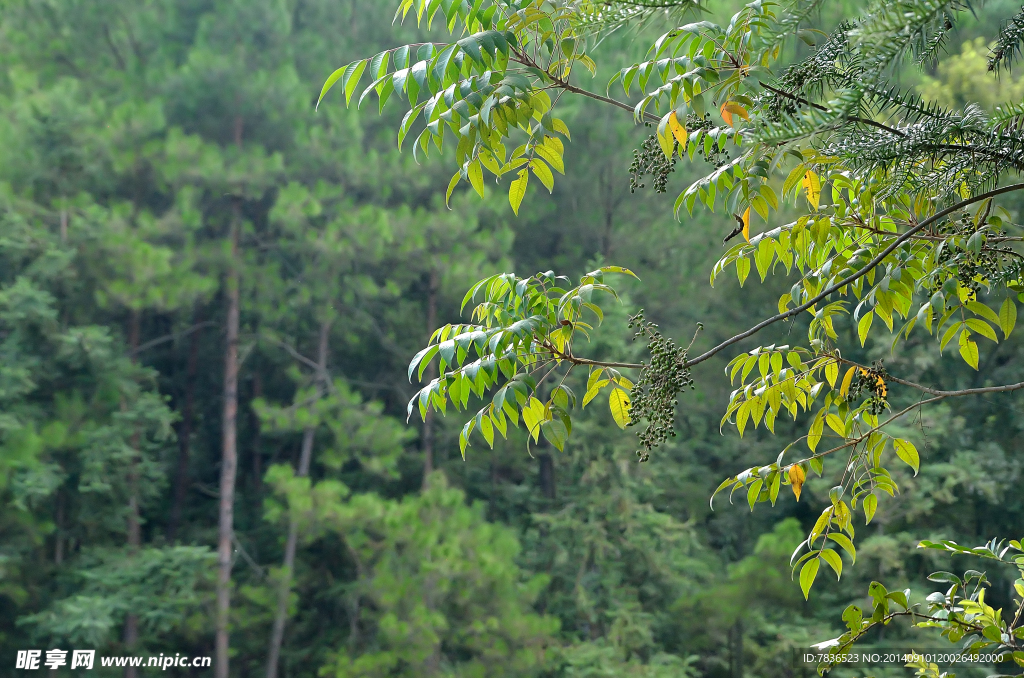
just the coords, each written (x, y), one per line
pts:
(140, 135)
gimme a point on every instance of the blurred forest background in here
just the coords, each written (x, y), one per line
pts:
(137, 133)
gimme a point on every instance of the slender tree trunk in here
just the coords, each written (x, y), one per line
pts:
(63, 226)
(305, 458)
(229, 455)
(547, 475)
(131, 621)
(229, 438)
(184, 438)
(428, 422)
(257, 455)
(58, 546)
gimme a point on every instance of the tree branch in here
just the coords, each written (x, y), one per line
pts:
(856, 276)
(172, 337)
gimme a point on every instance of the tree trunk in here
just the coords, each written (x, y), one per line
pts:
(257, 454)
(229, 437)
(58, 545)
(547, 475)
(184, 438)
(305, 457)
(131, 621)
(229, 454)
(429, 373)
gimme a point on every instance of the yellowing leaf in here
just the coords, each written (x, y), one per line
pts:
(836, 424)
(796, 477)
(726, 114)
(746, 225)
(517, 190)
(832, 372)
(968, 349)
(731, 107)
(678, 131)
(812, 187)
(618, 403)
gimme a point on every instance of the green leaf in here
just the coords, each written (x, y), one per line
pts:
(487, 430)
(517, 190)
(542, 172)
(476, 176)
(451, 187)
(982, 310)
(836, 424)
(870, 505)
(1007, 316)
(551, 156)
(968, 349)
(834, 561)
(906, 451)
(982, 328)
(618, 403)
(844, 541)
(329, 83)
(555, 433)
(351, 79)
(807, 574)
(864, 326)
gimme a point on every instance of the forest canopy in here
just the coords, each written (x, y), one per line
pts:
(219, 282)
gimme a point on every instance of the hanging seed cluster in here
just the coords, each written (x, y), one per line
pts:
(655, 393)
(649, 159)
(977, 257)
(871, 382)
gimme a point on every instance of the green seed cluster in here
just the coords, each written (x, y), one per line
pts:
(655, 393)
(987, 260)
(650, 158)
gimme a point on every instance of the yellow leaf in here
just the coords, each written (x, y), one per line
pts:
(726, 114)
(844, 390)
(812, 187)
(678, 131)
(796, 479)
(618, 403)
(746, 225)
(734, 108)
